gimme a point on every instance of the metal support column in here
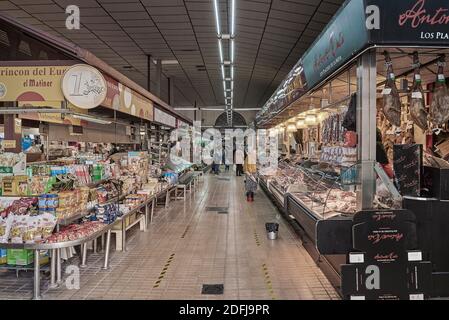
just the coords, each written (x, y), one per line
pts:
(53, 269)
(171, 91)
(157, 92)
(37, 276)
(149, 62)
(366, 127)
(106, 254)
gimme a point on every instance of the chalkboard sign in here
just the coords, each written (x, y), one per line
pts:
(386, 263)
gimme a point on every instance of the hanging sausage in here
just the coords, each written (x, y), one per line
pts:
(391, 107)
(439, 108)
(418, 110)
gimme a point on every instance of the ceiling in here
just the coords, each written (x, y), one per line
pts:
(271, 35)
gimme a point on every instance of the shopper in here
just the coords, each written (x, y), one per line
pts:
(250, 186)
(381, 155)
(239, 160)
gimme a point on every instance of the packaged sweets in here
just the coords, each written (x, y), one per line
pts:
(5, 228)
(52, 201)
(31, 230)
(19, 226)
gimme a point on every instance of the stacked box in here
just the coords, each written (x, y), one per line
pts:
(3, 258)
(20, 257)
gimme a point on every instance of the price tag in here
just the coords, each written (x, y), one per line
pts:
(417, 95)
(441, 78)
(386, 91)
(9, 144)
(417, 77)
(89, 162)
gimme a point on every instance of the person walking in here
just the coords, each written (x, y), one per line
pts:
(250, 183)
(239, 160)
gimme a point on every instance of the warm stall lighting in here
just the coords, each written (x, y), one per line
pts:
(301, 124)
(311, 120)
(91, 119)
(291, 128)
(322, 116)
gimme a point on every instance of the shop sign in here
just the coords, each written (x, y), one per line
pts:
(123, 99)
(385, 263)
(345, 36)
(164, 118)
(32, 86)
(413, 22)
(84, 86)
(17, 126)
(9, 144)
(52, 118)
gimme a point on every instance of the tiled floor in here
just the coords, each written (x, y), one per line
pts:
(187, 246)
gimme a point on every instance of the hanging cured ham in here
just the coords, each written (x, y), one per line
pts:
(439, 108)
(391, 107)
(418, 110)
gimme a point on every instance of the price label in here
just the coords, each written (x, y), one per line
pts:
(417, 95)
(9, 144)
(441, 78)
(386, 91)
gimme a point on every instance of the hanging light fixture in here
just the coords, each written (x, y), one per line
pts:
(322, 116)
(291, 128)
(301, 123)
(311, 120)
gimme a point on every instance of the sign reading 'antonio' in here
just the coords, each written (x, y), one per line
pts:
(385, 263)
(412, 22)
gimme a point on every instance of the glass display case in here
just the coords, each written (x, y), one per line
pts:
(326, 190)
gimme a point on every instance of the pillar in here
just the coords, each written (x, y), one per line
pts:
(171, 91)
(366, 127)
(158, 77)
(13, 131)
(149, 62)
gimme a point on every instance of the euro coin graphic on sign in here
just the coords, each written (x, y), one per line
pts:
(84, 86)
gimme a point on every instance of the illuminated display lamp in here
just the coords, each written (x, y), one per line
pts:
(322, 116)
(291, 128)
(311, 120)
(301, 124)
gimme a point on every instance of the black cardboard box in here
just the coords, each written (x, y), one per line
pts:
(437, 181)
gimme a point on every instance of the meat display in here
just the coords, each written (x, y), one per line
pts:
(391, 103)
(418, 110)
(439, 108)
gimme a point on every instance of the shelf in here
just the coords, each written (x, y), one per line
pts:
(30, 267)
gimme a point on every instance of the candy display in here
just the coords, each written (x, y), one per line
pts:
(20, 222)
(76, 232)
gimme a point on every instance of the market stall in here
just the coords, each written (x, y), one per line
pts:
(363, 117)
(78, 156)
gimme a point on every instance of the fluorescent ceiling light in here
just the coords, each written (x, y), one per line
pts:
(232, 18)
(217, 19)
(169, 62)
(91, 119)
(232, 72)
(232, 51)
(220, 49)
(223, 71)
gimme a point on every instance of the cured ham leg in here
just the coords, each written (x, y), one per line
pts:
(439, 108)
(418, 110)
(391, 106)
